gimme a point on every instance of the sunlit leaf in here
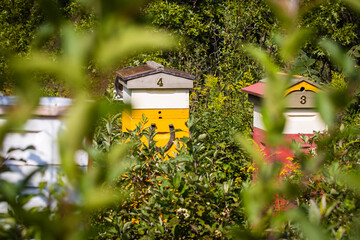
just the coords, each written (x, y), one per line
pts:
(325, 107)
(311, 231)
(129, 40)
(354, 3)
(340, 57)
(292, 43)
(352, 180)
(314, 213)
(264, 59)
(117, 163)
(177, 180)
(102, 196)
(251, 149)
(274, 101)
(286, 11)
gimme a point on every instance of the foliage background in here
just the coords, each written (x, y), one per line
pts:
(205, 191)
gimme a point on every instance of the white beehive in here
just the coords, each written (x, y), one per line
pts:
(34, 147)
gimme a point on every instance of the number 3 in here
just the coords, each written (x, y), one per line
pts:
(160, 82)
(302, 99)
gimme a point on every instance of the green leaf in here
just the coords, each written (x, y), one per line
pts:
(264, 59)
(314, 213)
(248, 146)
(340, 232)
(340, 58)
(127, 40)
(293, 43)
(126, 226)
(108, 197)
(352, 180)
(325, 107)
(160, 228)
(177, 180)
(311, 231)
(354, 3)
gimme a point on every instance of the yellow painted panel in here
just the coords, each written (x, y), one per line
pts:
(162, 125)
(126, 121)
(162, 118)
(177, 117)
(297, 87)
(160, 113)
(162, 140)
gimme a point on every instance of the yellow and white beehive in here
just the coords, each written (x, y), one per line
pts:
(161, 94)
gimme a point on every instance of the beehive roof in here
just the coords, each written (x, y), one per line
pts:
(150, 68)
(258, 89)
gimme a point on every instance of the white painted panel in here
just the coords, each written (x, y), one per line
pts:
(38, 201)
(41, 155)
(44, 101)
(258, 119)
(303, 121)
(51, 126)
(55, 101)
(48, 175)
(160, 99)
(7, 100)
(81, 158)
(18, 173)
(4, 207)
(127, 96)
(42, 134)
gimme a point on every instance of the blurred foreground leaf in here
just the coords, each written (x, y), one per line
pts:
(354, 3)
(309, 229)
(130, 39)
(326, 108)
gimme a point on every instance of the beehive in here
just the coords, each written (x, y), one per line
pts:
(161, 94)
(301, 119)
(34, 147)
(300, 114)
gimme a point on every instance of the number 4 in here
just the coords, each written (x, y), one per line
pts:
(160, 82)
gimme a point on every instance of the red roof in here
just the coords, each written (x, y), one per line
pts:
(257, 89)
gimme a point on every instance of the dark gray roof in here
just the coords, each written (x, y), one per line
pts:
(150, 68)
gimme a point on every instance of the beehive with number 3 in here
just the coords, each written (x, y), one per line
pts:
(161, 94)
(301, 115)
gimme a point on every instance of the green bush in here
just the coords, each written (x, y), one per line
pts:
(191, 195)
(205, 190)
